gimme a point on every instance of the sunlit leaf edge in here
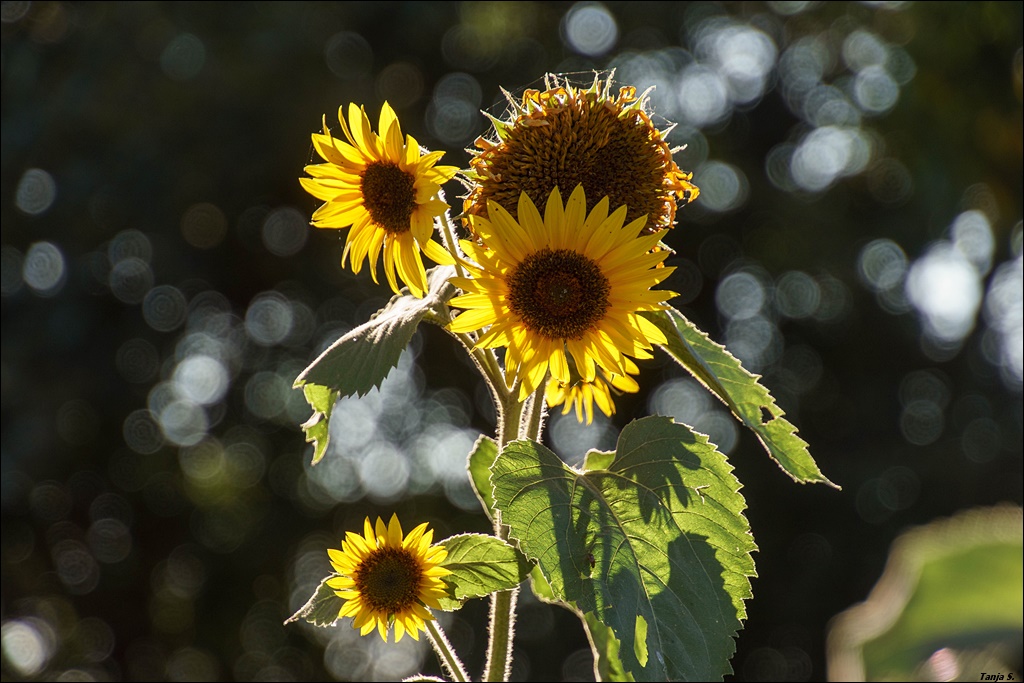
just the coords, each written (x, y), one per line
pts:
(478, 465)
(317, 427)
(694, 350)
(322, 607)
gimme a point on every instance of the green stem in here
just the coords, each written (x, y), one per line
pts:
(487, 364)
(445, 651)
(510, 415)
(502, 629)
(534, 421)
(503, 603)
(450, 243)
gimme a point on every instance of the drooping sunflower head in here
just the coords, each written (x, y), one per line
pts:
(387, 579)
(385, 189)
(582, 395)
(566, 136)
(568, 284)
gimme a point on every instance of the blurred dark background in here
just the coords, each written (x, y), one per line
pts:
(857, 242)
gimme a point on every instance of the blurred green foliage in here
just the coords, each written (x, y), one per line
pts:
(948, 603)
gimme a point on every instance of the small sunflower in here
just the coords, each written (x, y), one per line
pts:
(567, 136)
(568, 284)
(386, 190)
(582, 395)
(386, 579)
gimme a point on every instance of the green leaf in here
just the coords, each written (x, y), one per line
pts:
(653, 538)
(480, 565)
(607, 665)
(317, 427)
(542, 590)
(485, 450)
(361, 359)
(322, 607)
(747, 398)
(955, 585)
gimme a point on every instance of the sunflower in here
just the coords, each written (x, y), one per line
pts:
(566, 136)
(385, 579)
(568, 284)
(583, 395)
(385, 189)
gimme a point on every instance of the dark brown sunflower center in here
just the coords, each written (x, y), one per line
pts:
(558, 294)
(389, 196)
(584, 143)
(389, 579)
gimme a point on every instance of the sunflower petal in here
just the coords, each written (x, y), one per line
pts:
(436, 253)
(468, 321)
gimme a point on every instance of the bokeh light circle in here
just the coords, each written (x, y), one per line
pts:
(141, 432)
(723, 187)
(44, 268)
(590, 29)
(740, 295)
(164, 308)
(882, 264)
(36, 192)
(130, 280)
(268, 320)
(285, 231)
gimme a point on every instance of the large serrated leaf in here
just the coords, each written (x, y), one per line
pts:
(480, 565)
(747, 398)
(322, 607)
(651, 539)
(362, 358)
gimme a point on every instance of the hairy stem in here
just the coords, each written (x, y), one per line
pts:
(487, 364)
(450, 243)
(534, 421)
(503, 603)
(445, 652)
(502, 631)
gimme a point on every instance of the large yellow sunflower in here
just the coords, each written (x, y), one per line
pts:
(385, 189)
(387, 579)
(566, 136)
(582, 395)
(568, 284)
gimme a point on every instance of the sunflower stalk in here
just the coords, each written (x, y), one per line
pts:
(512, 421)
(510, 413)
(450, 243)
(500, 636)
(487, 364)
(451, 662)
(533, 422)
